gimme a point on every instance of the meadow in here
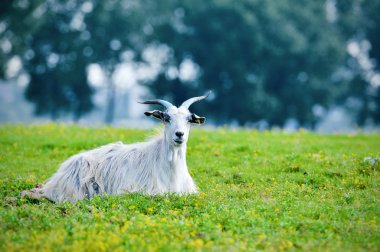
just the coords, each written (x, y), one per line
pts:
(268, 191)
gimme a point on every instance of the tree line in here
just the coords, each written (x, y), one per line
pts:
(269, 60)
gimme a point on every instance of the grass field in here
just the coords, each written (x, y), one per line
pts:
(258, 191)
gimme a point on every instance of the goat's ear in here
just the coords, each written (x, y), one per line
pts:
(156, 113)
(197, 119)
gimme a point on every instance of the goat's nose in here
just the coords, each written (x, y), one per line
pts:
(179, 134)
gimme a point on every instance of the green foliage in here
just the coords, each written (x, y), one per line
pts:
(362, 26)
(278, 59)
(113, 27)
(51, 53)
(58, 77)
(19, 23)
(258, 191)
(271, 59)
(56, 42)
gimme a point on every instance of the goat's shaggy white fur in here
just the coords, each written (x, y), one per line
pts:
(151, 168)
(154, 167)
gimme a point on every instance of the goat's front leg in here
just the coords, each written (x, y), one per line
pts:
(35, 193)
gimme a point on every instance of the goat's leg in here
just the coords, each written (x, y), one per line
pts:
(35, 193)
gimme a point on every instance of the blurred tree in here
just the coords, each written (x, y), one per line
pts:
(42, 35)
(19, 20)
(359, 21)
(112, 27)
(57, 40)
(58, 82)
(272, 60)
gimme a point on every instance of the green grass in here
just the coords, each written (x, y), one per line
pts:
(258, 191)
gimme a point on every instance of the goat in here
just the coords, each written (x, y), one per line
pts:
(154, 167)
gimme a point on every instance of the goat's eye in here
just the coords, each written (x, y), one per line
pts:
(166, 118)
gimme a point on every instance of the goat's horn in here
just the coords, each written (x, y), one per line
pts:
(187, 103)
(166, 104)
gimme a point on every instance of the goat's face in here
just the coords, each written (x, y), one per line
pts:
(177, 120)
(177, 123)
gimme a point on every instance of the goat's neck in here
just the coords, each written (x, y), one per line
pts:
(175, 156)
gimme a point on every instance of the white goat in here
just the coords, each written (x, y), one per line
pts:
(154, 167)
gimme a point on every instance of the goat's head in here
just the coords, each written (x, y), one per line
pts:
(177, 120)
